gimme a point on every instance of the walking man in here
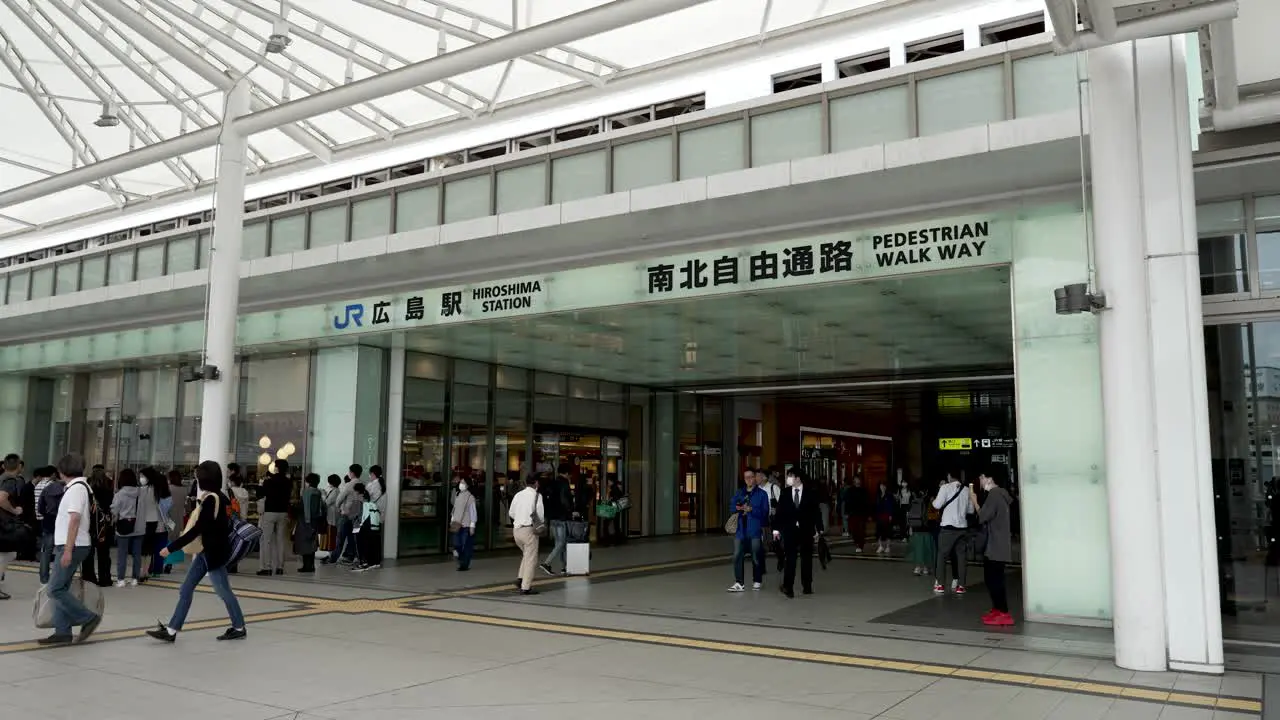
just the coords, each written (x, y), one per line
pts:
(527, 514)
(798, 522)
(71, 546)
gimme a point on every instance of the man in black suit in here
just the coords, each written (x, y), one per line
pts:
(798, 522)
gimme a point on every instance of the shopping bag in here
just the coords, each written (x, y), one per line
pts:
(87, 593)
(177, 557)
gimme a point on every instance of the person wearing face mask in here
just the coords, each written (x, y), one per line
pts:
(463, 525)
(996, 534)
(798, 523)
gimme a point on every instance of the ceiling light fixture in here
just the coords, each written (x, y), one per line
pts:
(109, 116)
(279, 38)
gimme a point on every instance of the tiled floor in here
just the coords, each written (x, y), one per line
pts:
(652, 633)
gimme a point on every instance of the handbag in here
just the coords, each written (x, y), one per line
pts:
(14, 534)
(87, 593)
(731, 525)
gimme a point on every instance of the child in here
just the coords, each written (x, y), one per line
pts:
(368, 531)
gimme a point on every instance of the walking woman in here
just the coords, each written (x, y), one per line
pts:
(126, 518)
(207, 537)
(995, 515)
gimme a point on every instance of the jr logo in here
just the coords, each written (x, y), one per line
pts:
(354, 314)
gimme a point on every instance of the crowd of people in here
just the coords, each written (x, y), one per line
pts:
(942, 527)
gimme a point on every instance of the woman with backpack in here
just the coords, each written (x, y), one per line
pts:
(207, 537)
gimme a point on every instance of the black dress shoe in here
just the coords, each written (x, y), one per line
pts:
(55, 639)
(808, 591)
(788, 592)
(162, 634)
(88, 628)
(264, 573)
(279, 571)
(530, 591)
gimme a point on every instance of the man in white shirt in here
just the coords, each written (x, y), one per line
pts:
(71, 545)
(527, 514)
(953, 499)
(768, 483)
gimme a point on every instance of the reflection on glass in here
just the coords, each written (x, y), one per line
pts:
(1269, 260)
(690, 465)
(273, 407)
(422, 485)
(1224, 265)
(1243, 371)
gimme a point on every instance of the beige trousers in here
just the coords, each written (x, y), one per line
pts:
(527, 541)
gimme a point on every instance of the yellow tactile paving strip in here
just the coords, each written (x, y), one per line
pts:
(405, 607)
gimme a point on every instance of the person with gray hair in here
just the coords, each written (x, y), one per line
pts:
(528, 516)
(72, 545)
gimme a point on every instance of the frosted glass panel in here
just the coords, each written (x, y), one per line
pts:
(206, 244)
(418, 208)
(150, 261)
(42, 282)
(19, 285)
(254, 242)
(328, 226)
(961, 100)
(182, 255)
(644, 163)
(1061, 457)
(870, 118)
(786, 135)
(578, 176)
(1222, 218)
(288, 234)
(120, 267)
(713, 150)
(466, 199)
(66, 278)
(522, 188)
(93, 272)
(371, 218)
(1044, 84)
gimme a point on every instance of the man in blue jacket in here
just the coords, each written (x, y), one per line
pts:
(752, 507)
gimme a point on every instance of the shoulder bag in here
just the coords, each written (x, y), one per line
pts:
(126, 526)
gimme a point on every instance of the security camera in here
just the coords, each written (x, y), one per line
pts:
(279, 38)
(1076, 299)
(110, 116)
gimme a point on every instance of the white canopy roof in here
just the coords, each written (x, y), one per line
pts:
(69, 68)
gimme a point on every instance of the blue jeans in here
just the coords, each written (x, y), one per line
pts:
(560, 534)
(46, 556)
(741, 547)
(221, 585)
(465, 543)
(132, 547)
(68, 612)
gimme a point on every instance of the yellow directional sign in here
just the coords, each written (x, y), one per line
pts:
(955, 443)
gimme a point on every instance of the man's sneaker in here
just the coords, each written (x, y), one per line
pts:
(374, 566)
(955, 584)
(990, 613)
(857, 551)
(736, 587)
(959, 590)
(55, 639)
(938, 589)
(131, 582)
(360, 568)
(233, 634)
(546, 568)
(119, 583)
(755, 586)
(5, 596)
(161, 633)
(86, 630)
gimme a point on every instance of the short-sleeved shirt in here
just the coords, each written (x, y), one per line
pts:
(12, 484)
(75, 499)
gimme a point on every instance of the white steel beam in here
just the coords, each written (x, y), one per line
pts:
(88, 73)
(123, 49)
(1102, 17)
(569, 51)
(321, 41)
(1173, 22)
(220, 79)
(471, 36)
(619, 13)
(49, 106)
(1222, 52)
(266, 63)
(100, 187)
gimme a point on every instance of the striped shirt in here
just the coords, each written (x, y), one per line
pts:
(40, 486)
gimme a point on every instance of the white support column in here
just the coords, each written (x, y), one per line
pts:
(393, 469)
(224, 280)
(1127, 396)
(1165, 584)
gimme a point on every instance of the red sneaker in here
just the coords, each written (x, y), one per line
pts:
(960, 590)
(990, 614)
(1000, 619)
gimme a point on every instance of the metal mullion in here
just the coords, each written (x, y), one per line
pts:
(913, 107)
(1251, 247)
(608, 166)
(1010, 92)
(675, 154)
(746, 139)
(442, 534)
(824, 113)
(491, 461)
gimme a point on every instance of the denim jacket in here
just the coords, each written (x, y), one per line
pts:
(751, 524)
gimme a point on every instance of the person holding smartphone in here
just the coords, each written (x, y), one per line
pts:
(752, 506)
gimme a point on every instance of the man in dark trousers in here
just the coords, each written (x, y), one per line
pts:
(798, 522)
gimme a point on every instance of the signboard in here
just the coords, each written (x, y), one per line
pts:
(955, 444)
(839, 257)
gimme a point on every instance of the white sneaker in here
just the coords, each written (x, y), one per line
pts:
(736, 587)
(118, 583)
(857, 551)
(954, 584)
(755, 586)
(132, 583)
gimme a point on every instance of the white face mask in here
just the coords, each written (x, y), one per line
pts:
(143, 482)
(462, 487)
